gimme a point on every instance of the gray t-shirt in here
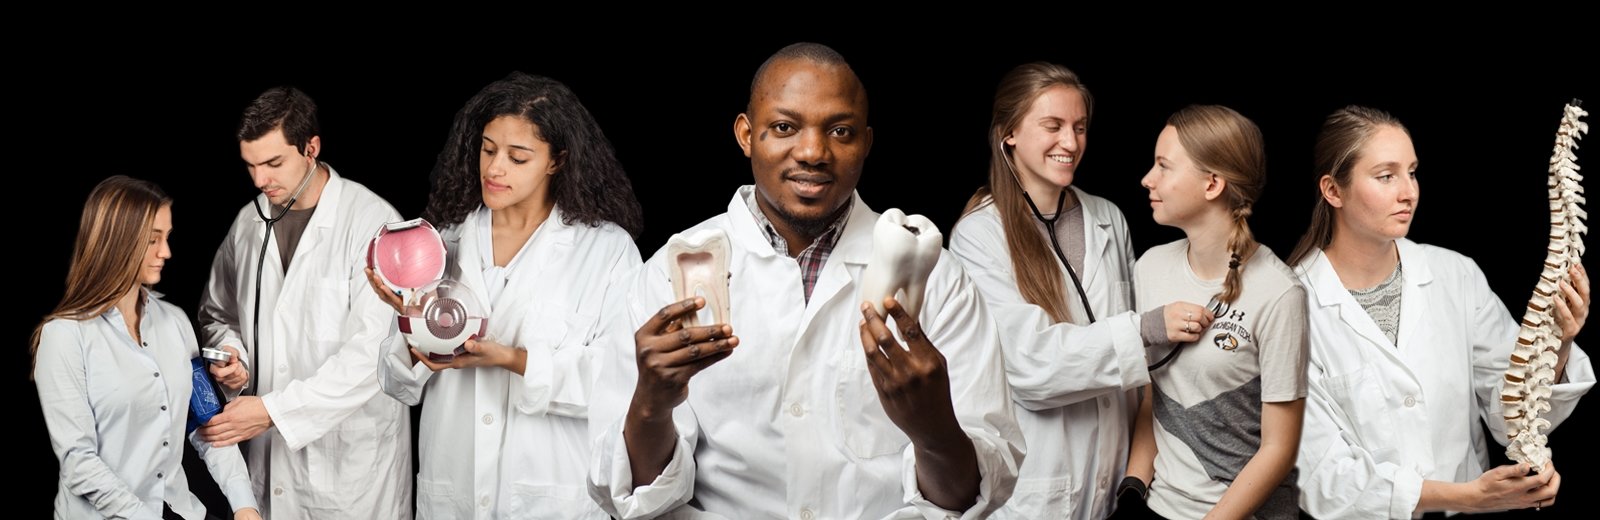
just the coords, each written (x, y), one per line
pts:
(1208, 399)
(288, 231)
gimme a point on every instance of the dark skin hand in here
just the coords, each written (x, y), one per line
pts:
(668, 355)
(914, 386)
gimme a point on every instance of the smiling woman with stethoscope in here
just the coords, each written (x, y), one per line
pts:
(1070, 373)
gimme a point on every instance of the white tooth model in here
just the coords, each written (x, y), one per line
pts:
(1526, 392)
(698, 266)
(904, 251)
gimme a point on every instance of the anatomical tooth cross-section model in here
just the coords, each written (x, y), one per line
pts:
(697, 265)
(1526, 392)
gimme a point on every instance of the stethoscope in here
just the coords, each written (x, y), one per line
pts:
(1055, 245)
(1050, 227)
(255, 350)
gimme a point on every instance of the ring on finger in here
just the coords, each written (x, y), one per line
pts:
(694, 351)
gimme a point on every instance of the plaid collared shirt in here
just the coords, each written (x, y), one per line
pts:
(814, 256)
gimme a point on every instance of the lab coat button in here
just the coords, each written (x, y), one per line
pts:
(805, 514)
(283, 368)
(796, 410)
(158, 374)
(488, 419)
(1411, 401)
(277, 492)
(484, 502)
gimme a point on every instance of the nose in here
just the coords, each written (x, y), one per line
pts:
(1411, 190)
(812, 148)
(1069, 141)
(495, 167)
(163, 250)
(1149, 179)
(259, 178)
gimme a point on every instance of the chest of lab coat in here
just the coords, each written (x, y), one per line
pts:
(1380, 417)
(494, 444)
(791, 424)
(316, 366)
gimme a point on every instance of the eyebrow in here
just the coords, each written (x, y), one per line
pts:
(831, 118)
(274, 159)
(1387, 164)
(517, 146)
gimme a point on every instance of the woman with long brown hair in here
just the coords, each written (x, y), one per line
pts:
(1409, 346)
(1046, 280)
(1219, 429)
(112, 365)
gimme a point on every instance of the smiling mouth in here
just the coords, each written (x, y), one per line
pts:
(1062, 159)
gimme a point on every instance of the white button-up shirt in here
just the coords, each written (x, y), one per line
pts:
(116, 412)
(790, 425)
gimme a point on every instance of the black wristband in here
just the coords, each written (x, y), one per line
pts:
(1132, 482)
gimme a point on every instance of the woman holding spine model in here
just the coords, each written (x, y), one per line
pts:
(1409, 346)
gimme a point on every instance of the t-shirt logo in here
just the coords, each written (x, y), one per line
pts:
(1229, 327)
(1225, 341)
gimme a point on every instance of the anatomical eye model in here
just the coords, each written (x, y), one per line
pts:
(1526, 392)
(439, 314)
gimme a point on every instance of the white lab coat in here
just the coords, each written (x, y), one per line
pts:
(790, 424)
(339, 448)
(1072, 384)
(495, 444)
(1381, 419)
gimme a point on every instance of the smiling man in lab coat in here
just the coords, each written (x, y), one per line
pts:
(328, 443)
(802, 415)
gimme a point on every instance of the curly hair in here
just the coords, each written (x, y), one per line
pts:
(591, 188)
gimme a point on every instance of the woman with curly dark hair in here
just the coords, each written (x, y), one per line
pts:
(538, 218)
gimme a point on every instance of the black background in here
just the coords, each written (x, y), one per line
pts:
(1482, 115)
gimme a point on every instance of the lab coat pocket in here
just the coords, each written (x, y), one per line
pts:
(436, 500)
(862, 422)
(529, 500)
(328, 305)
(342, 463)
(1039, 495)
(544, 325)
(1361, 395)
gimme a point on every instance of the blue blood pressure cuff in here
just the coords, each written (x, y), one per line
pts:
(203, 402)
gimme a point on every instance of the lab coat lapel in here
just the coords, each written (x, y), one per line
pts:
(1096, 240)
(1331, 292)
(1413, 298)
(848, 260)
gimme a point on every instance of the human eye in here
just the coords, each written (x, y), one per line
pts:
(842, 131)
(783, 127)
